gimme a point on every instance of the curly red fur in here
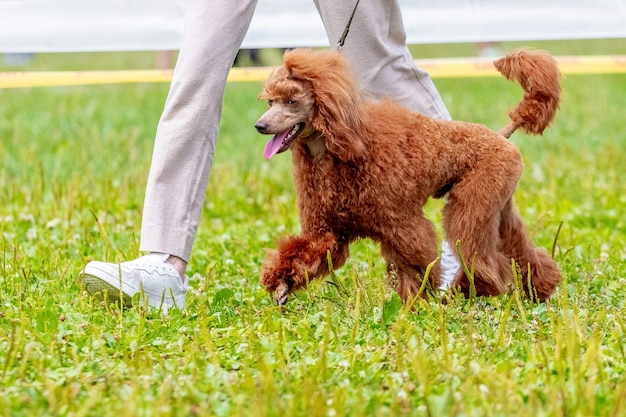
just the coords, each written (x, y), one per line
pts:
(366, 169)
(339, 114)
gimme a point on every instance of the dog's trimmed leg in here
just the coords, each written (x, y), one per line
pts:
(515, 243)
(491, 270)
(299, 259)
(407, 278)
(408, 253)
(472, 216)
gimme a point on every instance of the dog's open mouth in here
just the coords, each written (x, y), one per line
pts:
(281, 141)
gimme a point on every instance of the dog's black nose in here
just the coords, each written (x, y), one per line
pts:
(261, 126)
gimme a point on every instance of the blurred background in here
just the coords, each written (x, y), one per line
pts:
(133, 34)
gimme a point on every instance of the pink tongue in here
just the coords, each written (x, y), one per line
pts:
(274, 144)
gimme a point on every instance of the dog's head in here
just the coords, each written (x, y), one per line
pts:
(313, 95)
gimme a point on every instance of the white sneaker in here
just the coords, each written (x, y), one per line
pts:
(152, 276)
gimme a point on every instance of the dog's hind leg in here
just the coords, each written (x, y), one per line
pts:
(408, 253)
(489, 269)
(299, 259)
(472, 217)
(545, 274)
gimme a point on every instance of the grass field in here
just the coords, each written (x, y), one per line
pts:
(73, 167)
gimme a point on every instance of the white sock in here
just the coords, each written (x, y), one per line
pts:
(449, 265)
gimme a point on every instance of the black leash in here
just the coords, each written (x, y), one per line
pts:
(344, 35)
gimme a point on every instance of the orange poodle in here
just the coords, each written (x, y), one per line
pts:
(365, 169)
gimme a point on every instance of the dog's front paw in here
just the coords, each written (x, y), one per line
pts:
(279, 286)
(276, 276)
(281, 293)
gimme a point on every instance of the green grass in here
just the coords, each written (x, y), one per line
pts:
(73, 167)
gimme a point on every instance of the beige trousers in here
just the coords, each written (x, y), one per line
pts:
(187, 132)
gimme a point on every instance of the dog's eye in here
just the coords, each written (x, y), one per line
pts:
(292, 102)
(270, 102)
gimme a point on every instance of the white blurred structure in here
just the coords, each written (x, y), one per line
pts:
(125, 25)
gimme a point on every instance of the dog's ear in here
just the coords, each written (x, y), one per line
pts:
(339, 113)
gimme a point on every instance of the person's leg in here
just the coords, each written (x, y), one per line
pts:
(377, 51)
(187, 132)
(376, 48)
(182, 157)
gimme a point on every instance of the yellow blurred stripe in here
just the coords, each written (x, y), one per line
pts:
(480, 67)
(438, 68)
(600, 64)
(61, 78)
